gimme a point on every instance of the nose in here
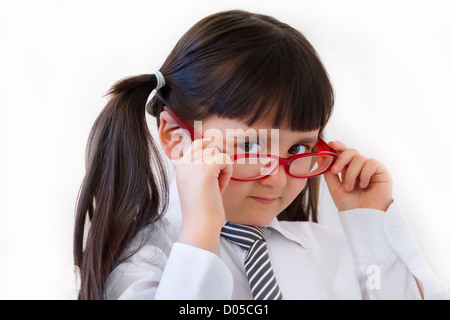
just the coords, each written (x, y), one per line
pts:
(276, 179)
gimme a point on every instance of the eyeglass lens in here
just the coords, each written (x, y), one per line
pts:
(253, 168)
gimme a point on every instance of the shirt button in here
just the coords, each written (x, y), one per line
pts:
(397, 233)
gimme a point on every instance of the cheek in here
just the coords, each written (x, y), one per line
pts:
(235, 192)
(293, 189)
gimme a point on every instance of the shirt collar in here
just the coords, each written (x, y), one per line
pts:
(276, 225)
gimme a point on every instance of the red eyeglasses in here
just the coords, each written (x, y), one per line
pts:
(253, 166)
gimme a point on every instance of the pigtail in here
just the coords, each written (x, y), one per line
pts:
(125, 186)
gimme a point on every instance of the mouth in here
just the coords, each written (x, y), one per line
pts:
(264, 200)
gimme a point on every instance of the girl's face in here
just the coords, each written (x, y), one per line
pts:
(242, 200)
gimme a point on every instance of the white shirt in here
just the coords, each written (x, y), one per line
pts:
(374, 257)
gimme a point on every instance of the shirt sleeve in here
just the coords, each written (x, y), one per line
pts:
(387, 258)
(187, 273)
(193, 273)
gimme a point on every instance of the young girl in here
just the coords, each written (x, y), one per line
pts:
(241, 222)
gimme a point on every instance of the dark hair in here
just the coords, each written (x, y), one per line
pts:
(233, 64)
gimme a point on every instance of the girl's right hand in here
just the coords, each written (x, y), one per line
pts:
(202, 176)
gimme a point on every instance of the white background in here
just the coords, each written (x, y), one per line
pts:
(388, 61)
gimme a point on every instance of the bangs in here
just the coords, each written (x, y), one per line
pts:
(280, 83)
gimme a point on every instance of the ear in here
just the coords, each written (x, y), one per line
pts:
(171, 136)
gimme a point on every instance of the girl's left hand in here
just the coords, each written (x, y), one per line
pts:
(364, 183)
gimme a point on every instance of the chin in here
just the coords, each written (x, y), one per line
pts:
(259, 220)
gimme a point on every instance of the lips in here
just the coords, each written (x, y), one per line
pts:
(264, 200)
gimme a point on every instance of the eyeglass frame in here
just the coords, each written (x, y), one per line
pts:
(321, 145)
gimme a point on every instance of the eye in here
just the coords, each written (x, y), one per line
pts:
(251, 147)
(299, 149)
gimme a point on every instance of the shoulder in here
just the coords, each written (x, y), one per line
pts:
(157, 238)
(143, 260)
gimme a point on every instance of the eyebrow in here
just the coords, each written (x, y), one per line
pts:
(308, 141)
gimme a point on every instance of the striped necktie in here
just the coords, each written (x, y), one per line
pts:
(256, 263)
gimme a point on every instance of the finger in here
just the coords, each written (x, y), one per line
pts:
(194, 153)
(338, 146)
(213, 155)
(226, 171)
(343, 160)
(371, 167)
(333, 181)
(221, 164)
(343, 173)
(353, 171)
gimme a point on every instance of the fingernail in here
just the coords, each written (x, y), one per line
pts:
(347, 186)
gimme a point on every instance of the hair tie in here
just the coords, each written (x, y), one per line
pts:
(160, 80)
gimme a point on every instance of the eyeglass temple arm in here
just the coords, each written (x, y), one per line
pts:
(184, 125)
